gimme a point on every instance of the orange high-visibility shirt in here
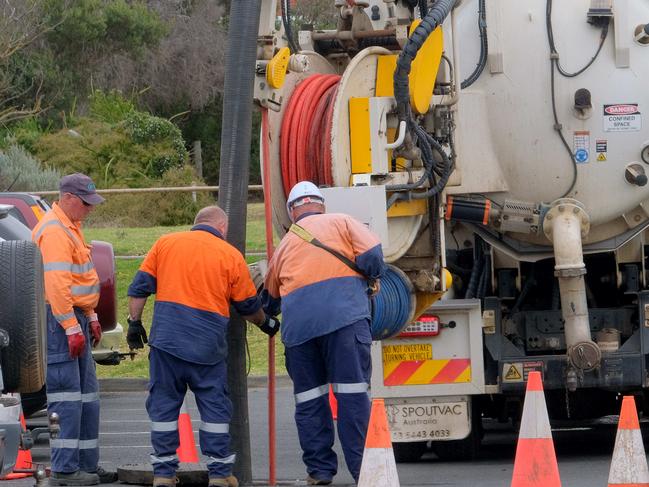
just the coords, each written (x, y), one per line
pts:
(70, 276)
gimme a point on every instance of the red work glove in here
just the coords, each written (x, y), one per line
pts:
(95, 331)
(76, 341)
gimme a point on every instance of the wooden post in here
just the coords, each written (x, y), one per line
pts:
(198, 157)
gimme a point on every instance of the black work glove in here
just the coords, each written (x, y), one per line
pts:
(270, 326)
(136, 334)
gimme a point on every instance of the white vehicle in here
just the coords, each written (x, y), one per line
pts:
(501, 152)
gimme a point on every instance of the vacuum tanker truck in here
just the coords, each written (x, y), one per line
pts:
(500, 150)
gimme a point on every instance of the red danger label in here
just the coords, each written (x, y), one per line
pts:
(626, 109)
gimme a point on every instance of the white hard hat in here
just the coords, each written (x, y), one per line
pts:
(302, 190)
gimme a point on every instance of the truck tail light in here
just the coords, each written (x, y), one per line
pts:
(424, 326)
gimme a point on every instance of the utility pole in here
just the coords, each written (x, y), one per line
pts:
(233, 195)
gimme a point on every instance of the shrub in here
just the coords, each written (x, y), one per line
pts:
(134, 153)
(19, 171)
(110, 107)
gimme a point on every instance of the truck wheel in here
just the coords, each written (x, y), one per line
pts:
(408, 452)
(22, 316)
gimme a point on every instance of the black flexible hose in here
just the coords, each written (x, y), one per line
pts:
(484, 46)
(476, 272)
(423, 8)
(555, 54)
(554, 63)
(444, 168)
(286, 22)
(485, 278)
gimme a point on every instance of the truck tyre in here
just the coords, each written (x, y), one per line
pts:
(22, 316)
(408, 452)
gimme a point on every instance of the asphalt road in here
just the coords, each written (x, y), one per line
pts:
(583, 454)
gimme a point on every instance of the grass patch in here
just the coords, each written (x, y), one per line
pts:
(137, 241)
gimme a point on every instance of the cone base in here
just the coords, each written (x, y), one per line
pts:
(378, 469)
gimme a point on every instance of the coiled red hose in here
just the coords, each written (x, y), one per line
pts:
(305, 137)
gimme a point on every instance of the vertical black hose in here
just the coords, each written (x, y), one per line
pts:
(233, 195)
(484, 46)
(476, 271)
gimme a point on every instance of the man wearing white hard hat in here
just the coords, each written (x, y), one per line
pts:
(321, 278)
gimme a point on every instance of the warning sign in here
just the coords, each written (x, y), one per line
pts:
(601, 156)
(409, 353)
(532, 366)
(623, 117)
(581, 146)
(512, 372)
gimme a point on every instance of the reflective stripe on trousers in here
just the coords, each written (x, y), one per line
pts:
(341, 358)
(170, 378)
(72, 393)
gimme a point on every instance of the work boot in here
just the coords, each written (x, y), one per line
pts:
(165, 481)
(105, 477)
(311, 481)
(230, 481)
(74, 478)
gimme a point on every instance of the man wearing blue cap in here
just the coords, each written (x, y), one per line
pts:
(72, 293)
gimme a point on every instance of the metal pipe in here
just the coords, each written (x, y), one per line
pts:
(349, 35)
(270, 248)
(400, 138)
(566, 224)
(457, 84)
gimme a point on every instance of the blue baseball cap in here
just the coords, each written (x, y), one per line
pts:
(82, 186)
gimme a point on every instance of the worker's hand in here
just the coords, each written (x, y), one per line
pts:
(95, 332)
(136, 334)
(374, 287)
(76, 341)
(270, 326)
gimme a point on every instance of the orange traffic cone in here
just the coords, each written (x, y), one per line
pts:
(333, 403)
(629, 464)
(187, 450)
(536, 462)
(378, 468)
(24, 458)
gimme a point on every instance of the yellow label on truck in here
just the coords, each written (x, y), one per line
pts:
(413, 363)
(410, 353)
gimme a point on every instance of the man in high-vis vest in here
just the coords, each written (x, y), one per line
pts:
(321, 277)
(72, 292)
(196, 276)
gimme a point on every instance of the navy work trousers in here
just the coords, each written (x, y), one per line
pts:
(73, 394)
(169, 378)
(342, 359)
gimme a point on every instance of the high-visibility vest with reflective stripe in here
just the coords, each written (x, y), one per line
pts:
(70, 276)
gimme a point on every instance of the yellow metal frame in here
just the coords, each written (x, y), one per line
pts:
(359, 133)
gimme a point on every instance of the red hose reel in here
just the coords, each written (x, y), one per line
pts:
(305, 137)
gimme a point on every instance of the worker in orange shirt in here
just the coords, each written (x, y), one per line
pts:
(196, 276)
(321, 277)
(72, 292)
